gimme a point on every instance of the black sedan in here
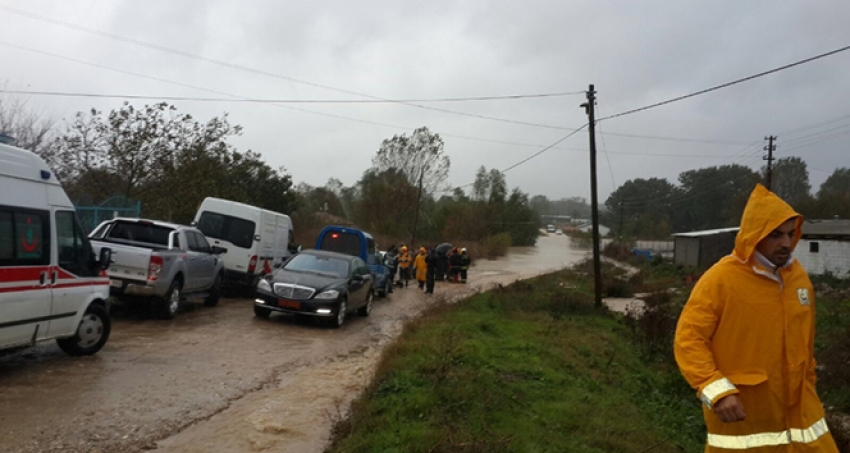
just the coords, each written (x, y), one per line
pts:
(317, 283)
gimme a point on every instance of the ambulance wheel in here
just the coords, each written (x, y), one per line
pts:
(91, 334)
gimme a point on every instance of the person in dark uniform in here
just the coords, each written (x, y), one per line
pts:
(431, 262)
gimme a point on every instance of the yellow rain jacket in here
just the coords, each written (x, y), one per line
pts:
(748, 331)
(421, 266)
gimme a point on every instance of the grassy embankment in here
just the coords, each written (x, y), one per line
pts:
(531, 367)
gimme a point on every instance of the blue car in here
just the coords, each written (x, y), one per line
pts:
(359, 243)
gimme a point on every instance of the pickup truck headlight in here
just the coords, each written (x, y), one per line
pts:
(329, 294)
(264, 285)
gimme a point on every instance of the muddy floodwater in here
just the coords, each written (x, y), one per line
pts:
(219, 379)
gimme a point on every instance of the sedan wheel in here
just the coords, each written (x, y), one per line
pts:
(367, 309)
(340, 317)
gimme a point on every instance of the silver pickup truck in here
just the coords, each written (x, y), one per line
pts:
(159, 260)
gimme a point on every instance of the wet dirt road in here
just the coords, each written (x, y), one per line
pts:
(219, 379)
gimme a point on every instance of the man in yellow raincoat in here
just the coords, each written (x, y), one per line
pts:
(421, 267)
(745, 340)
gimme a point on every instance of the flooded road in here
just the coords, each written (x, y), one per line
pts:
(219, 379)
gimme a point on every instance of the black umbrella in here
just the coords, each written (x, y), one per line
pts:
(443, 248)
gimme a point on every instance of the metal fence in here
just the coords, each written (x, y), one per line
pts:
(118, 206)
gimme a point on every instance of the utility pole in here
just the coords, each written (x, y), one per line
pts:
(416, 214)
(621, 221)
(770, 148)
(594, 202)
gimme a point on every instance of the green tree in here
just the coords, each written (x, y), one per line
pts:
(712, 197)
(481, 186)
(642, 207)
(833, 198)
(790, 180)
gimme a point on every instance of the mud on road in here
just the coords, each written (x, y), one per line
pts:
(219, 379)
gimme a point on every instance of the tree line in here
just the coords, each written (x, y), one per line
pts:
(170, 161)
(714, 197)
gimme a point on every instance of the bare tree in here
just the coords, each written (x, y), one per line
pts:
(32, 130)
(417, 156)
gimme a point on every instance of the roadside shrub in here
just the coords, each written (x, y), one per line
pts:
(616, 287)
(496, 245)
(616, 250)
(653, 327)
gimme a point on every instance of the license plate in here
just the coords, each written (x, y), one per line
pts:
(116, 283)
(283, 303)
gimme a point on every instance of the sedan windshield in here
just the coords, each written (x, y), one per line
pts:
(319, 264)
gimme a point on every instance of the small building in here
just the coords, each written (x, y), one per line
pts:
(825, 247)
(703, 248)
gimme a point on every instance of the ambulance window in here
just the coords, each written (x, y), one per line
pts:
(75, 253)
(30, 245)
(7, 246)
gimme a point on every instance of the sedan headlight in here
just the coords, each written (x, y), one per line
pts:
(329, 294)
(264, 285)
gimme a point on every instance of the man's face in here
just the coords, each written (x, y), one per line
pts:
(776, 247)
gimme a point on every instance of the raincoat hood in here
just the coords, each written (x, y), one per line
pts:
(764, 213)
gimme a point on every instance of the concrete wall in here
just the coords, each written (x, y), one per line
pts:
(832, 256)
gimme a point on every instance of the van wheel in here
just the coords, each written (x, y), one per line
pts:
(215, 293)
(91, 334)
(170, 303)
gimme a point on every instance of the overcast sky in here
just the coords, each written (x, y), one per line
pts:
(635, 53)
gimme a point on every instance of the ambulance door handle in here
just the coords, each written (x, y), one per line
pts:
(42, 280)
(53, 277)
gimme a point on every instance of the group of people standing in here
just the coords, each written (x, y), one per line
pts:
(427, 266)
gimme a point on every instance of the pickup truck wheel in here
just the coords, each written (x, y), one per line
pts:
(170, 303)
(262, 312)
(215, 293)
(91, 334)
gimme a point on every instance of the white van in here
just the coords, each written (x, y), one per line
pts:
(51, 285)
(256, 240)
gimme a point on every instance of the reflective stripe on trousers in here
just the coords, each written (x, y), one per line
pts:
(786, 437)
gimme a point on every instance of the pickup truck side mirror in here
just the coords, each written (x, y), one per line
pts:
(105, 258)
(216, 250)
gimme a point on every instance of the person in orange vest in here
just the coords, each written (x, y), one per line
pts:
(404, 263)
(745, 340)
(421, 267)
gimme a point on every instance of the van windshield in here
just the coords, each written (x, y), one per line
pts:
(346, 243)
(239, 232)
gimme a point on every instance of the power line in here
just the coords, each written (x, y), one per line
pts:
(547, 148)
(230, 65)
(727, 84)
(278, 101)
(608, 158)
(313, 112)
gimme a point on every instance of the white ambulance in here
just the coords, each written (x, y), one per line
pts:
(51, 285)
(257, 240)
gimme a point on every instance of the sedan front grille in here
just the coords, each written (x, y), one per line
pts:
(294, 292)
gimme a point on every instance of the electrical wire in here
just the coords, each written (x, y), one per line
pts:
(538, 153)
(276, 101)
(727, 84)
(235, 66)
(607, 157)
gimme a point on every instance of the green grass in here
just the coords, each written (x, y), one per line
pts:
(527, 368)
